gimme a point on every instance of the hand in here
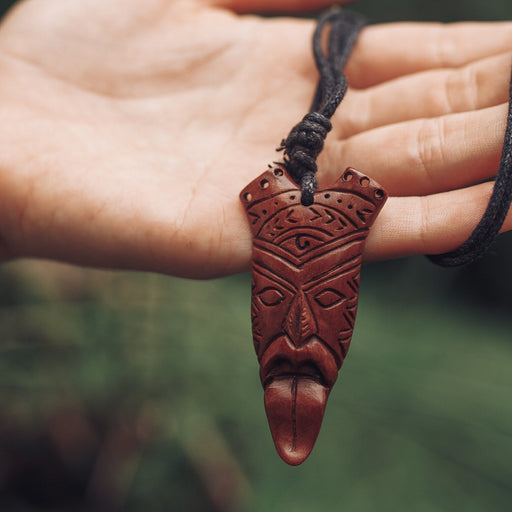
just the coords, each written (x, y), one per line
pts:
(128, 130)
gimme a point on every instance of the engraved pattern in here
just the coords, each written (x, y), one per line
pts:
(305, 284)
(306, 260)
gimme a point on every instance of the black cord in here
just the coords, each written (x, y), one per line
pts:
(306, 139)
(489, 226)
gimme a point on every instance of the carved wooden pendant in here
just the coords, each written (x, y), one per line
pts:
(305, 285)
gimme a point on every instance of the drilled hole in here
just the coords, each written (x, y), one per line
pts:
(350, 207)
(327, 196)
(264, 212)
(379, 194)
(292, 198)
(248, 196)
(264, 184)
(278, 172)
(364, 182)
(348, 176)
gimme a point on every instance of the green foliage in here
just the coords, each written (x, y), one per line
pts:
(435, 10)
(163, 369)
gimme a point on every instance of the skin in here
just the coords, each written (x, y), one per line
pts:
(128, 128)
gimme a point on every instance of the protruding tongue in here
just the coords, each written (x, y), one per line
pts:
(295, 406)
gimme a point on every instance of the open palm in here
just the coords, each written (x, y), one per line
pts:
(128, 128)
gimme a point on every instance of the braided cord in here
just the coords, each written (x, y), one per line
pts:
(306, 139)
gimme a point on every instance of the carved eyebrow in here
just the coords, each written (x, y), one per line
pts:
(345, 268)
(270, 275)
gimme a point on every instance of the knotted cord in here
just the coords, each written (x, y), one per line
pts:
(306, 139)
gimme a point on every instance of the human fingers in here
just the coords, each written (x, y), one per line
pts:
(424, 156)
(384, 52)
(478, 85)
(432, 224)
(245, 6)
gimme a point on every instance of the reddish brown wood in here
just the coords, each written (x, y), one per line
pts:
(305, 285)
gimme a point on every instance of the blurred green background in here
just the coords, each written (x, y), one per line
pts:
(135, 392)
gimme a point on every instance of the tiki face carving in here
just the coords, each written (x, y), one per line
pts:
(305, 284)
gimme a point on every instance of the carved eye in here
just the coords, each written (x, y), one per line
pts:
(329, 298)
(271, 296)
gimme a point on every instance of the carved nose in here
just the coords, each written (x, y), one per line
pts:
(300, 323)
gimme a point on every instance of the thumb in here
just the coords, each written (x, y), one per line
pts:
(282, 6)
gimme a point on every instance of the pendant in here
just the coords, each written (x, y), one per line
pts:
(305, 285)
